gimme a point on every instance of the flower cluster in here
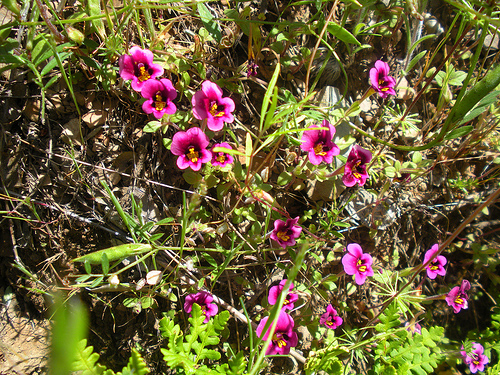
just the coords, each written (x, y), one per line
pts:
(476, 359)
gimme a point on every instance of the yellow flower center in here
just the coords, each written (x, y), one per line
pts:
(360, 267)
(221, 158)
(318, 150)
(193, 155)
(283, 236)
(213, 111)
(143, 73)
(329, 322)
(434, 267)
(279, 341)
(459, 301)
(159, 103)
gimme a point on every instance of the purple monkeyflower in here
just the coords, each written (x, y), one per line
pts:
(222, 158)
(139, 67)
(330, 319)
(284, 337)
(318, 143)
(355, 167)
(274, 294)
(209, 104)
(436, 267)
(204, 300)
(191, 146)
(357, 263)
(475, 359)
(251, 68)
(285, 233)
(159, 95)
(457, 298)
(413, 327)
(380, 80)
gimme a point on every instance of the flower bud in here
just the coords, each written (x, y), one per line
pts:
(113, 280)
(75, 35)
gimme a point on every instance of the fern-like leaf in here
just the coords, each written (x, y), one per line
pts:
(135, 366)
(86, 360)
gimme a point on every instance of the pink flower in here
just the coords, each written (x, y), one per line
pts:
(285, 233)
(275, 291)
(475, 359)
(139, 67)
(159, 95)
(380, 80)
(413, 327)
(457, 298)
(191, 146)
(330, 319)
(209, 104)
(204, 300)
(318, 143)
(357, 263)
(436, 266)
(284, 337)
(355, 167)
(221, 158)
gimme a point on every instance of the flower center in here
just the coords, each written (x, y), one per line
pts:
(193, 155)
(329, 321)
(214, 110)
(159, 103)
(434, 267)
(279, 340)
(283, 236)
(143, 73)
(356, 171)
(459, 301)
(221, 158)
(318, 150)
(361, 267)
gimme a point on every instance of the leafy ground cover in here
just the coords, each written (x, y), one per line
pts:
(249, 187)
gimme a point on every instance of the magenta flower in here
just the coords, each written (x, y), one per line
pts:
(380, 80)
(318, 143)
(285, 233)
(204, 300)
(355, 167)
(457, 298)
(413, 327)
(191, 146)
(284, 337)
(139, 67)
(330, 319)
(209, 104)
(221, 158)
(475, 359)
(357, 263)
(275, 291)
(159, 95)
(436, 267)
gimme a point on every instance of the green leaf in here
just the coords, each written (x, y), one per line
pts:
(208, 21)
(136, 365)
(192, 177)
(105, 263)
(459, 132)
(86, 360)
(114, 253)
(94, 10)
(152, 126)
(341, 33)
(481, 107)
